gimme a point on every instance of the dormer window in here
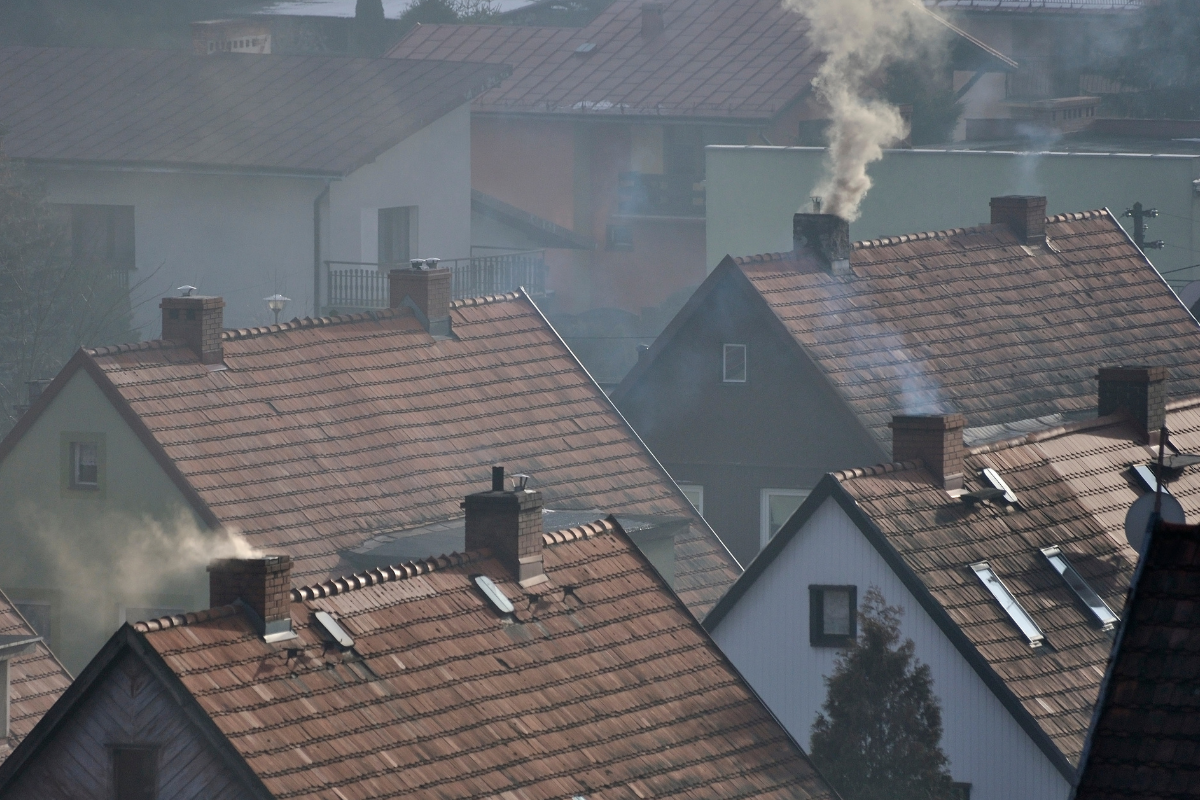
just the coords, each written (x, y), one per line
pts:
(734, 363)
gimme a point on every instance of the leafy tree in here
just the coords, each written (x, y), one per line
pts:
(879, 736)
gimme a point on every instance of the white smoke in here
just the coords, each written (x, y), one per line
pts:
(859, 39)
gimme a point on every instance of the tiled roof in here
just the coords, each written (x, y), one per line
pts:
(970, 320)
(1144, 743)
(324, 433)
(601, 685)
(276, 113)
(1074, 486)
(35, 680)
(1039, 6)
(733, 59)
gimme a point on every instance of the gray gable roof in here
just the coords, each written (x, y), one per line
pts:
(308, 114)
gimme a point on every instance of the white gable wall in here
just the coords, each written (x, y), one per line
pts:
(766, 636)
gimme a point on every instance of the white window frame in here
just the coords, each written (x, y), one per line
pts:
(76, 453)
(725, 348)
(764, 509)
(699, 491)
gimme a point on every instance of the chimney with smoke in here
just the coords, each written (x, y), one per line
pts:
(1139, 391)
(934, 439)
(826, 237)
(652, 20)
(425, 289)
(263, 585)
(509, 523)
(197, 322)
(1025, 215)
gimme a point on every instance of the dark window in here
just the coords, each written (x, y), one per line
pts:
(395, 235)
(620, 237)
(135, 773)
(832, 615)
(960, 791)
(102, 236)
(733, 366)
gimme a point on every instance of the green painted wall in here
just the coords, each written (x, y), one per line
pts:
(752, 193)
(134, 542)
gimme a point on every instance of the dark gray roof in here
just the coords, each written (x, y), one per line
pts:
(262, 112)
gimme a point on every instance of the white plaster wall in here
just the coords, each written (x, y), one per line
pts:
(430, 170)
(766, 637)
(753, 192)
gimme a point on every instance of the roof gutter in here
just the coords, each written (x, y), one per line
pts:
(177, 169)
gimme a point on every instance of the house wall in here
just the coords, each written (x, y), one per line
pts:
(766, 636)
(753, 192)
(127, 706)
(782, 429)
(134, 542)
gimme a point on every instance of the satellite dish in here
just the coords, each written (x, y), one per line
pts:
(1137, 520)
(1190, 294)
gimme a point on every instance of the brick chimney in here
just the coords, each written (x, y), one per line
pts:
(263, 584)
(652, 20)
(1025, 215)
(934, 439)
(426, 291)
(509, 523)
(1141, 391)
(824, 236)
(196, 321)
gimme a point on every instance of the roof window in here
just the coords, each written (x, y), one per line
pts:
(1146, 476)
(996, 482)
(1009, 603)
(333, 630)
(493, 594)
(1104, 615)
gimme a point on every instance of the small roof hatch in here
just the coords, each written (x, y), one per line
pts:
(1008, 602)
(1095, 603)
(996, 482)
(1146, 475)
(493, 594)
(334, 631)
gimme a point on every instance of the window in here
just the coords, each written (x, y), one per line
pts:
(85, 465)
(1082, 589)
(101, 235)
(733, 363)
(1020, 617)
(135, 772)
(960, 790)
(832, 615)
(695, 495)
(82, 464)
(395, 235)
(776, 505)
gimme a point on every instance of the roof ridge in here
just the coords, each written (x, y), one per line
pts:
(1050, 433)
(1073, 216)
(878, 469)
(486, 299)
(129, 347)
(1183, 403)
(180, 620)
(233, 334)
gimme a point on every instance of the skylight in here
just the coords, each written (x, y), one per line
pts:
(1009, 603)
(1146, 476)
(1104, 615)
(993, 478)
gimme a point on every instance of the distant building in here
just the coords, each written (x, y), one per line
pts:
(534, 665)
(335, 440)
(1011, 559)
(245, 174)
(785, 366)
(1141, 744)
(31, 678)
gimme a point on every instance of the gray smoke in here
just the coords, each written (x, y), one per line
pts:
(859, 39)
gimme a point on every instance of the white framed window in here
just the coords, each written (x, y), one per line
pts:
(695, 495)
(733, 363)
(85, 465)
(775, 506)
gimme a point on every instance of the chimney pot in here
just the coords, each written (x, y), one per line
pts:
(426, 291)
(1025, 215)
(652, 20)
(825, 237)
(263, 584)
(1141, 391)
(934, 439)
(510, 525)
(197, 321)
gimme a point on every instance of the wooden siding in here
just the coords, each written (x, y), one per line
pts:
(127, 706)
(766, 637)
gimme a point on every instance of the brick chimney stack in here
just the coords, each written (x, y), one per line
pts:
(426, 291)
(263, 584)
(934, 439)
(1141, 391)
(652, 20)
(826, 237)
(196, 321)
(509, 523)
(1025, 215)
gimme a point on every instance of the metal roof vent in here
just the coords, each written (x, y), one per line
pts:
(333, 630)
(1008, 602)
(1086, 594)
(493, 594)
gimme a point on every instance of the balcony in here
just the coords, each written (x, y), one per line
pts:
(644, 194)
(358, 285)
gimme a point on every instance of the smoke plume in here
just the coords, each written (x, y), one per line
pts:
(859, 39)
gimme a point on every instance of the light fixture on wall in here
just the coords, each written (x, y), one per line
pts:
(277, 303)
